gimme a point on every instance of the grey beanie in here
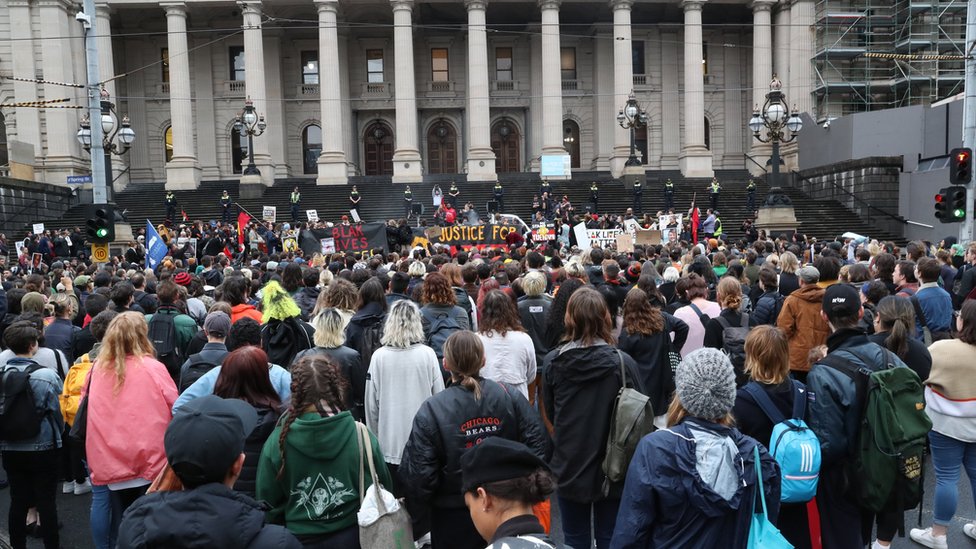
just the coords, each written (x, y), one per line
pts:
(705, 383)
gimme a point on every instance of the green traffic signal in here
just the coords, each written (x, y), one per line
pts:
(101, 233)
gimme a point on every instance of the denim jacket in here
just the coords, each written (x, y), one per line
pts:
(46, 386)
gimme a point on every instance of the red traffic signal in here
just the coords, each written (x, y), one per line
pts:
(960, 166)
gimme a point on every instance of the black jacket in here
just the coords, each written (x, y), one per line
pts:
(353, 369)
(767, 308)
(305, 299)
(534, 312)
(579, 387)
(450, 422)
(283, 339)
(749, 417)
(267, 419)
(917, 358)
(788, 283)
(363, 319)
(210, 516)
(653, 363)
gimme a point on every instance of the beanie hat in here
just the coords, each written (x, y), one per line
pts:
(705, 383)
(32, 302)
(182, 278)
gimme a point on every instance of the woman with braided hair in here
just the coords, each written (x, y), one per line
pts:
(309, 468)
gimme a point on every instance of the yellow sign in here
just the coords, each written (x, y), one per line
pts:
(99, 253)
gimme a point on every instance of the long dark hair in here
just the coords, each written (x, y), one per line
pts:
(588, 318)
(244, 375)
(498, 314)
(557, 314)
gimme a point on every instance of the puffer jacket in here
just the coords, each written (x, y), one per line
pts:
(211, 515)
(833, 412)
(800, 320)
(767, 309)
(267, 419)
(305, 299)
(452, 421)
(693, 485)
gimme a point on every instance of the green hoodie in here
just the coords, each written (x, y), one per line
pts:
(319, 490)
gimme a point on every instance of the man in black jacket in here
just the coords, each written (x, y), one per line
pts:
(207, 513)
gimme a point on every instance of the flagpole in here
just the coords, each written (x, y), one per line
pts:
(241, 208)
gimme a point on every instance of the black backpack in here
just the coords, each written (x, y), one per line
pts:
(283, 339)
(370, 342)
(194, 371)
(19, 418)
(162, 334)
(734, 345)
(442, 325)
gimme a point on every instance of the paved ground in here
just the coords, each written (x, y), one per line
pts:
(73, 512)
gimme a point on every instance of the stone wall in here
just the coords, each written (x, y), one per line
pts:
(25, 202)
(866, 186)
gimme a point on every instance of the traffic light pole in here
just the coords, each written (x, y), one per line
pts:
(969, 119)
(99, 183)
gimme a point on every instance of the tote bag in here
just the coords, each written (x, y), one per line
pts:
(763, 534)
(392, 529)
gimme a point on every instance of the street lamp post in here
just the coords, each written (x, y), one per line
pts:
(249, 123)
(110, 131)
(779, 128)
(631, 117)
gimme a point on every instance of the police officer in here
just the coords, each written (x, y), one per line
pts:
(499, 194)
(295, 200)
(595, 197)
(668, 195)
(455, 194)
(225, 203)
(170, 205)
(713, 191)
(751, 196)
(638, 191)
(545, 188)
(407, 201)
(354, 199)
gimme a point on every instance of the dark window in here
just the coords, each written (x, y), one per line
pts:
(310, 67)
(236, 62)
(637, 54)
(708, 135)
(704, 57)
(4, 156)
(374, 66)
(438, 64)
(503, 64)
(164, 63)
(238, 150)
(568, 63)
(571, 141)
(168, 143)
(311, 148)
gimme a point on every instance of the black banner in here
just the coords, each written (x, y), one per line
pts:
(475, 235)
(347, 238)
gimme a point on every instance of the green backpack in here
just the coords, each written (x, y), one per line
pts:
(891, 440)
(633, 417)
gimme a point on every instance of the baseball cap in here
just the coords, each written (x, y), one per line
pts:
(82, 280)
(841, 300)
(217, 324)
(809, 274)
(206, 436)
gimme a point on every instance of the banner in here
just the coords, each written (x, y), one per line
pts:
(155, 248)
(603, 238)
(475, 235)
(346, 238)
(543, 232)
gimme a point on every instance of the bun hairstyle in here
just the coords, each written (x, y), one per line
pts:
(464, 356)
(531, 489)
(729, 293)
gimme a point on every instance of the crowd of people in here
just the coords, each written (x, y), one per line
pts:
(217, 400)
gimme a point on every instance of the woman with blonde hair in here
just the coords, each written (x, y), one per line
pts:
(729, 296)
(130, 398)
(449, 423)
(788, 280)
(768, 367)
(330, 336)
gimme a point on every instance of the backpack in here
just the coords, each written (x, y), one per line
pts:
(734, 345)
(702, 317)
(162, 334)
(632, 418)
(19, 418)
(283, 339)
(370, 342)
(194, 371)
(442, 325)
(892, 434)
(793, 444)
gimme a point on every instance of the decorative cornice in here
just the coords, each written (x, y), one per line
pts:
(550, 4)
(621, 4)
(327, 5)
(476, 4)
(250, 7)
(762, 5)
(692, 5)
(174, 8)
(399, 5)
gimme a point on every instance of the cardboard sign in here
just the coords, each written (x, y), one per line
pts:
(624, 242)
(648, 237)
(328, 245)
(432, 233)
(312, 215)
(582, 237)
(270, 213)
(543, 232)
(38, 228)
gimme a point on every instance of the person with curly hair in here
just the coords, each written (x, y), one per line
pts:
(309, 467)
(509, 351)
(438, 299)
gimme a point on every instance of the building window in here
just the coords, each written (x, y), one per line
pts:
(164, 63)
(168, 143)
(310, 67)
(704, 57)
(438, 65)
(637, 55)
(374, 66)
(571, 141)
(568, 63)
(238, 151)
(503, 64)
(236, 54)
(4, 155)
(708, 135)
(311, 148)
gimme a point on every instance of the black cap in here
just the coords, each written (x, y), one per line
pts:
(496, 459)
(206, 436)
(841, 300)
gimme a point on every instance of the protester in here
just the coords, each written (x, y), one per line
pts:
(894, 327)
(283, 333)
(329, 337)
(696, 313)
(510, 352)
(801, 321)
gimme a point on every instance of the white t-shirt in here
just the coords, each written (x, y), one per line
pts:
(509, 359)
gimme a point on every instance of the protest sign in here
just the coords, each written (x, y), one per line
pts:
(582, 238)
(543, 232)
(312, 215)
(38, 228)
(625, 242)
(355, 215)
(603, 238)
(647, 237)
(328, 245)
(475, 235)
(346, 238)
(270, 213)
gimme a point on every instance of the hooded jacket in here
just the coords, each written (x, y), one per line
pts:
(283, 339)
(693, 485)
(319, 491)
(267, 420)
(579, 389)
(305, 299)
(209, 516)
(800, 320)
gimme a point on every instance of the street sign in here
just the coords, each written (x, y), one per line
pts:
(79, 179)
(99, 253)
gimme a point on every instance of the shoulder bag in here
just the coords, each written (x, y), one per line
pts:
(388, 529)
(763, 534)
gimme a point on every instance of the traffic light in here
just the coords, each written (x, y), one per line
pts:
(960, 166)
(957, 203)
(100, 223)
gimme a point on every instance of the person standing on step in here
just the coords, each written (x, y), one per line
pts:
(295, 200)
(638, 191)
(170, 206)
(354, 200)
(714, 188)
(751, 196)
(668, 196)
(455, 194)
(545, 188)
(225, 203)
(407, 201)
(499, 194)
(595, 197)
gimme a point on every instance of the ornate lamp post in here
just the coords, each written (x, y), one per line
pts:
(249, 123)
(110, 130)
(631, 117)
(779, 127)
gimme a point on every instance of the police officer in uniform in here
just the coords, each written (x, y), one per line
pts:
(595, 197)
(170, 205)
(499, 194)
(354, 201)
(407, 201)
(713, 191)
(295, 200)
(455, 194)
(545, 188)
(668, 195)
(225, 203)
(638, 191)
(751, 196)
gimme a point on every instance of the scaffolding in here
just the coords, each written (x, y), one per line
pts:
(848, 81)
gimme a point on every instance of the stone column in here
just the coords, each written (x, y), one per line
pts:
(800, 88)
(256, 89)
(406, 158)
(604, 110)
(623, 81)
(533, 123)
(762, 70)
(669, 100)
(63, 156)
(781, 36)
(182, 171)
(481, 159)
(332, 161)
(204, 108)
(552, 83)
(25, 66)
(695, 160)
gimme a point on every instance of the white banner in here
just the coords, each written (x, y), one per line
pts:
(603, 238)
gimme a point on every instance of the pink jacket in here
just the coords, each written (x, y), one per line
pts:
(126, 428)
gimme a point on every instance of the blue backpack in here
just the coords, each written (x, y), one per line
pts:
(793, 444)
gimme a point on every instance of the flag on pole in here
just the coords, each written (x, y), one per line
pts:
(242, 220)
(694, 221)
(155, 247)
(185, 217)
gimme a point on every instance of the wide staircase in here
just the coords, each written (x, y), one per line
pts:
(382, 200)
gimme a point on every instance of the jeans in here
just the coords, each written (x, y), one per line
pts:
(122, 500)
(947, 455)
(33, 478)
(576, 520)
(104, 519)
